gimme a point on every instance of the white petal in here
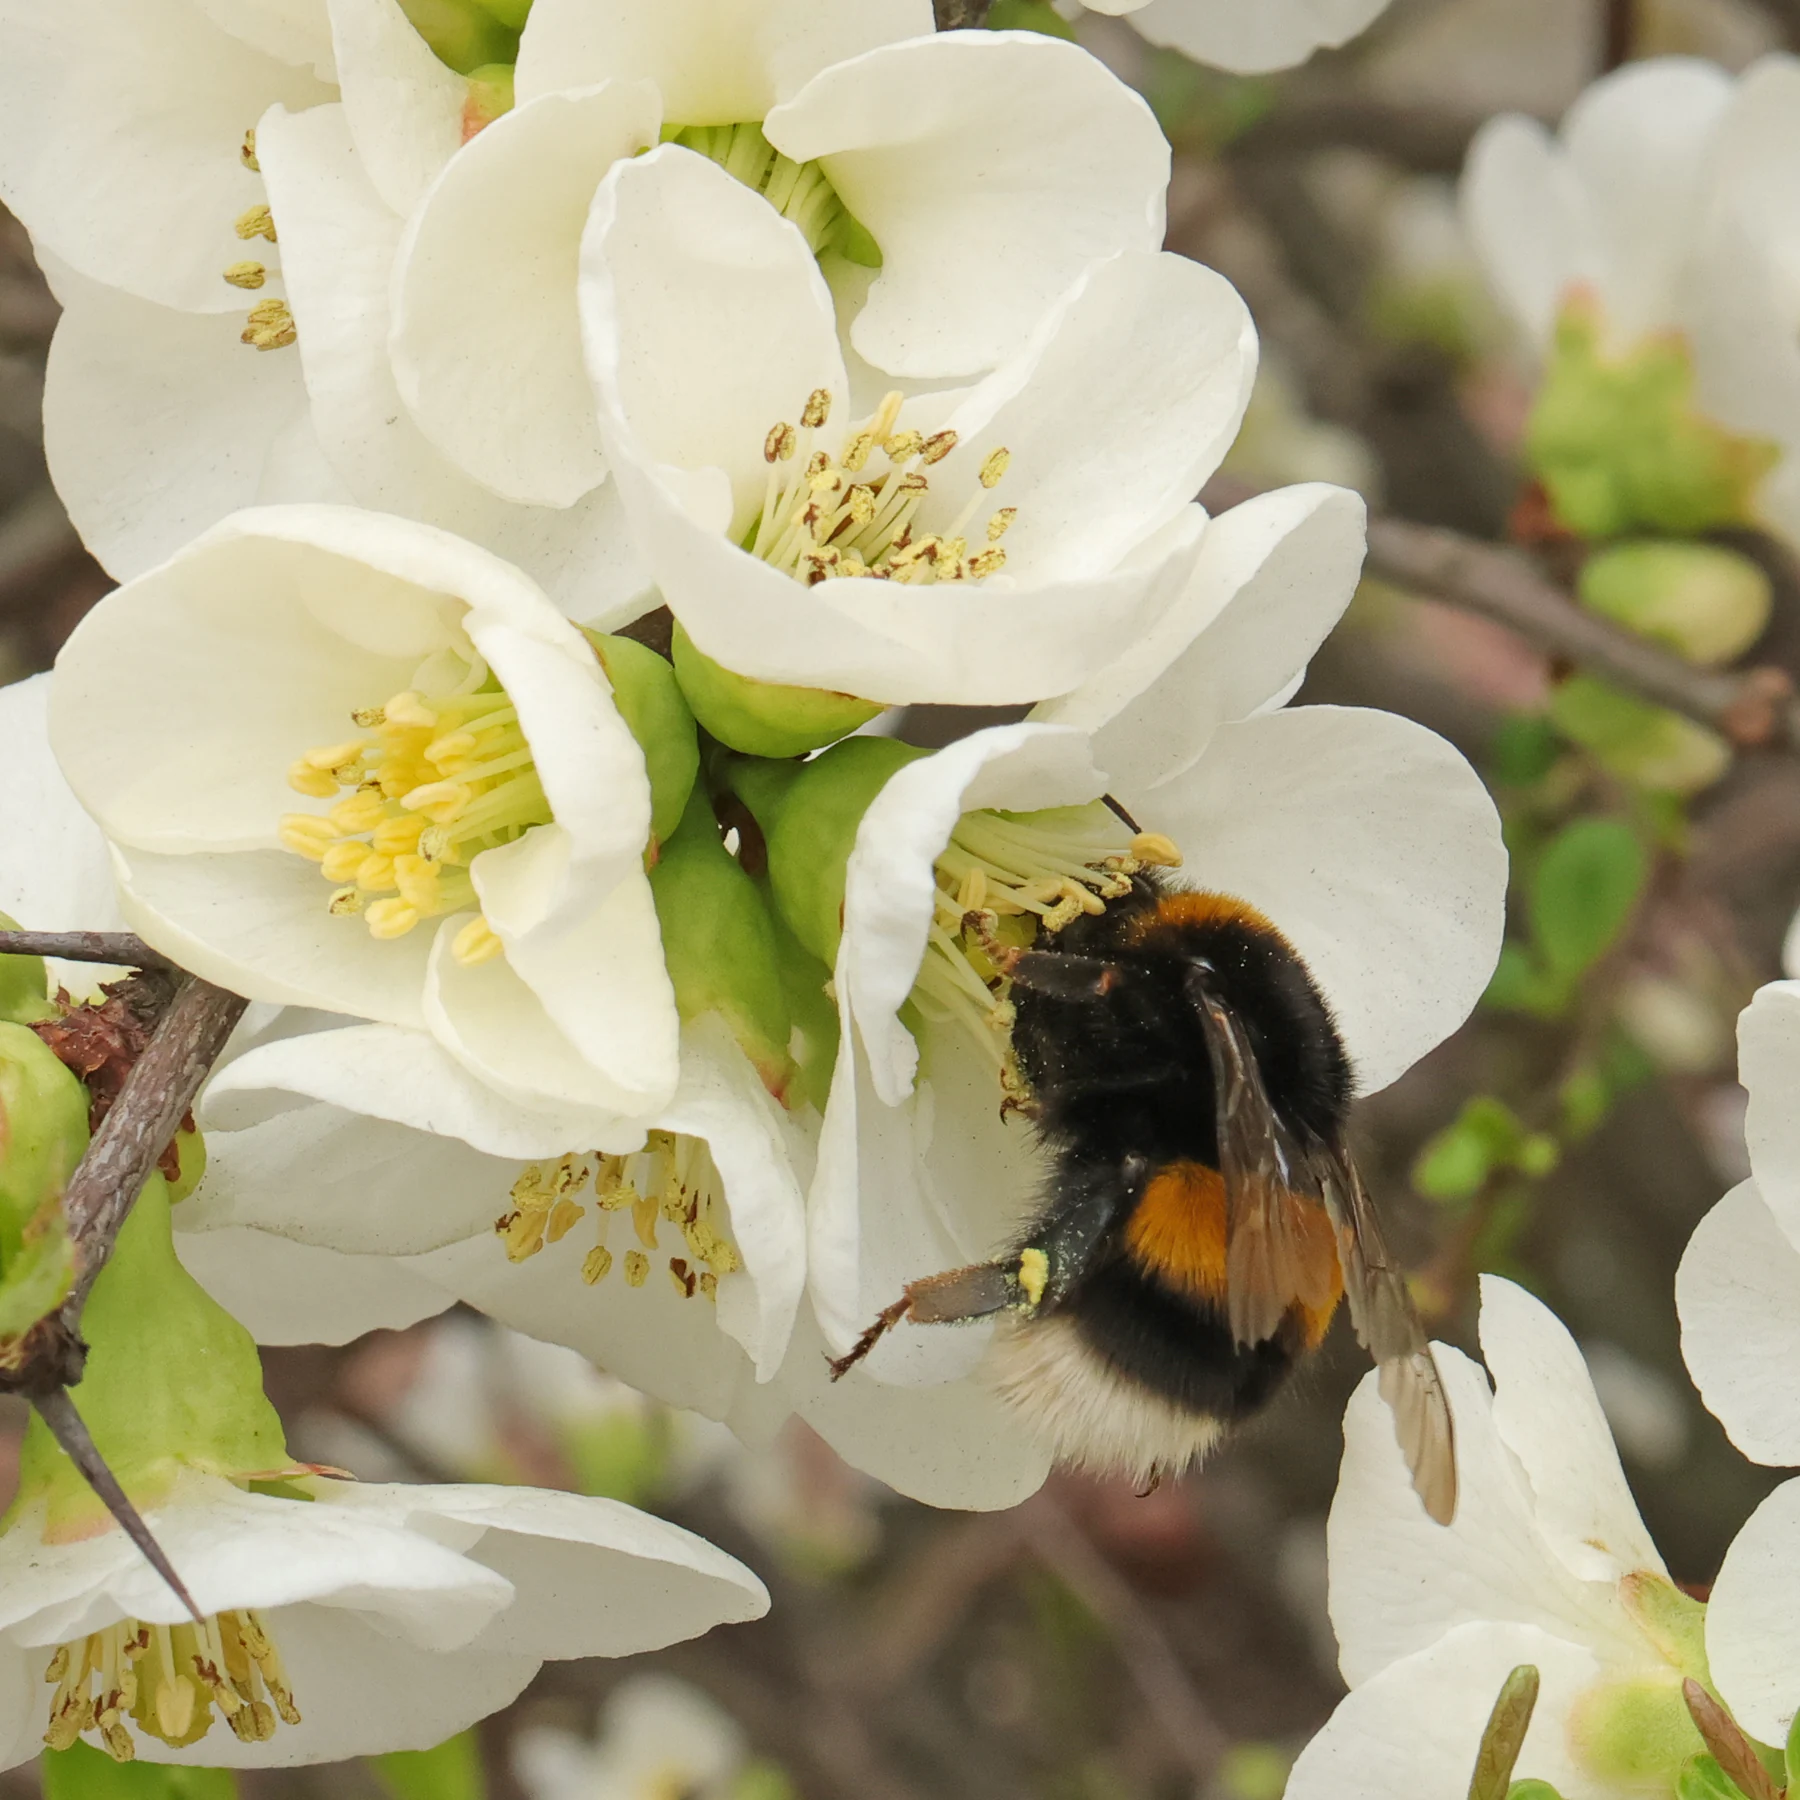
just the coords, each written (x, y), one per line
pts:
(1769, 1067)
(119, 137)
(339, 241)
(752, 1142)
(706, 321)
(486, 339)
(1274, 576)
(404, 107)
(648, 1336)
(1738, 1294)
(1375, 849)
(282, 1292)
(954, 1444)
(991, 168)
(1639, 143)
(1753, 1618)
(331, 1178)
(1413, 1729)
(890, 886)
(292, 31)
(591, 1577)
(716, 62)
(1250, 40)
(1549, 1417)
(1115, 411)
(1399, 1581)
(407, 1078)
(55, 873)
(1528, 220)
(158, 423)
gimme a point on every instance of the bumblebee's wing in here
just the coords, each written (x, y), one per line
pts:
(1382, 1311)
(1272, 1259)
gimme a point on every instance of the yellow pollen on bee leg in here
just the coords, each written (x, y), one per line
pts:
(1034, 1275)
(247, 274)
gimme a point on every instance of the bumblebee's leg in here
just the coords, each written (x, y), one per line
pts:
(947, 1299)
(1064, 976)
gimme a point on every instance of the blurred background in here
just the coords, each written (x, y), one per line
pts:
(1094, 1644)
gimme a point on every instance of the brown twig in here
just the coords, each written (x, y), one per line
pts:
(961, 15)
(1620, 33)
(119, 947)
(1750, 708)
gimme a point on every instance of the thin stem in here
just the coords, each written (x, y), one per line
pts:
(1620, 33)
(85, 946)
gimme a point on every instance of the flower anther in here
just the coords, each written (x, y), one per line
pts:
(167, 1679)
(441, 773)
(673, 1179)
(827, 516)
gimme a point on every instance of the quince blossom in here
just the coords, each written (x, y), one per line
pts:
(351, 763)
(1250, 39)
(986, 545)
(1547, 1562)
(1652, 242)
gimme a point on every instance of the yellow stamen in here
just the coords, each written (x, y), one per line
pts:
(247, 152)
(476, 943)
(637, 1268)
(255, 221)
(247, 274)
(389, 919)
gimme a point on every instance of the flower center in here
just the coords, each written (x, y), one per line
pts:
(167, 1679)
(1002, 879)
(672, 1178)
(826, 516)
(798, 191)
(441, 773)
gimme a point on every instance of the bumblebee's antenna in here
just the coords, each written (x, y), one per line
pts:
(1119, 812)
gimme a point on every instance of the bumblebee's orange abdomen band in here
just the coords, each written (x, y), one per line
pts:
(1177, 1234)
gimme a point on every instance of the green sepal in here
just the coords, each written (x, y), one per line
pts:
(491, 96)
(650, 701)
(719, 942)
(1791, 1755)
(1634, 1730)
(1532, 1789)
(815, 830)
(1701, 1778)
(1702, 600)
(190, 1150)
(24, 984)
(83, 1773)
(1619, 446)
(462, 34)
(452, 1771)
(763, 718)
(172, 1383)
(814, 1042)
(1673, 1621)
(512, 13)
(1644, 744)
(43, 1132)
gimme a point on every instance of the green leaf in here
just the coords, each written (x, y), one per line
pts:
(1519, 985)
(1029, 15)
(450, 1772)
(84, 1773)
(1523, 750)
(1583, 892)
(1701, 1778)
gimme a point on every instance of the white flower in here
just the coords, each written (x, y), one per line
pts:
(1247, 36)
(1738, 1293)
(1367, 840)
(374, 1617)
(1547, 1562)
(1667, 201)
(491, 795)
(987, 545)
(413, 341)
(657, 1736)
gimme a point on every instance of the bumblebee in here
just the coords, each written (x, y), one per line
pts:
(1203, 1218)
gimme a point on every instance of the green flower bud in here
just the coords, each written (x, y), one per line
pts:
(462, 33)
(814, 1043)
(763, 718)
(1644, 744)
(508, 12)
(490, 95)
(1708, 603)
(1532, 1790)
(24, 984)
(172, 1382)
(814, 831)
(43, 1132)
(650, 702)
(719, 943)
(1618, 446)
(1634, 1729)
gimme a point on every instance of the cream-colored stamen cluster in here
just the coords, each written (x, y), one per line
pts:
(270, 323)
(672, 1179)
(1001, 880)
(166, 1679)
(435, 779)
(826, 517)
